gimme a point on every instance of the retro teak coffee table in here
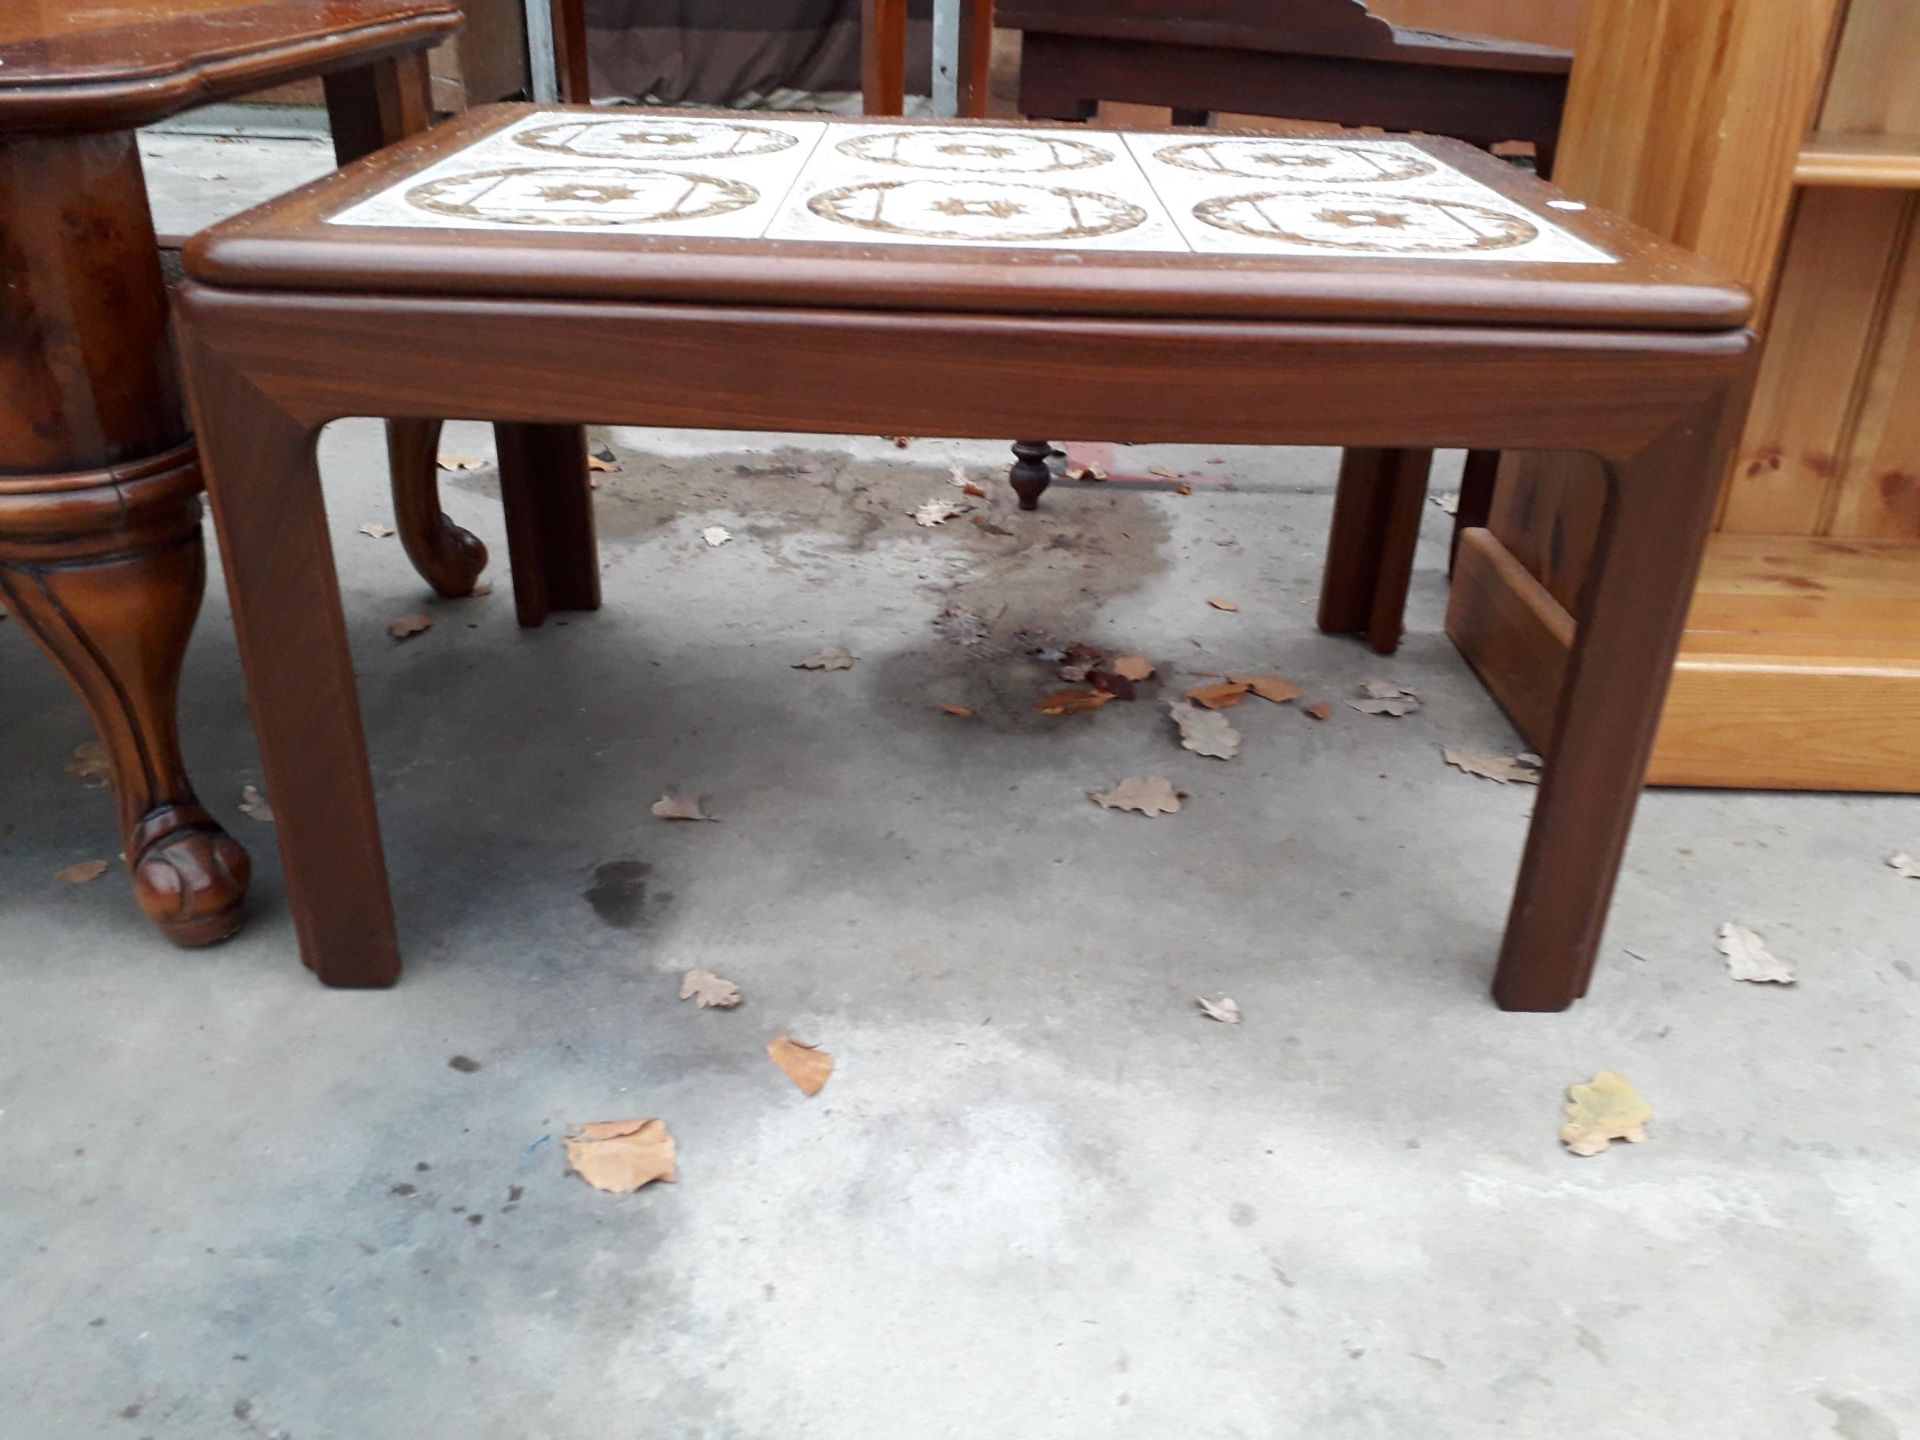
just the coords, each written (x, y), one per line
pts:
(862, 277)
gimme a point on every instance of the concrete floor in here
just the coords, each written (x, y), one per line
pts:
(1041, 1196)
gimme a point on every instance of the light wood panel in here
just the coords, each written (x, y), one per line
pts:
(1540, 22)
(1879, 492)
(1875, 89)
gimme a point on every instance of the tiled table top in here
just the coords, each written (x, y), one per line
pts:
(1031, 188)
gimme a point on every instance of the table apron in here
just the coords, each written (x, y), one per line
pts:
(318, 358)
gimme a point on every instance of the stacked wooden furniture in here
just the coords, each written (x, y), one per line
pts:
(1783, 142)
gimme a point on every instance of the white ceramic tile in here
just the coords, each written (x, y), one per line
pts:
(1359, 199)
(1030, 188)
(627, 174)
(810, 180)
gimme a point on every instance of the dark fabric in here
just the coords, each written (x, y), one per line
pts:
(720, 52)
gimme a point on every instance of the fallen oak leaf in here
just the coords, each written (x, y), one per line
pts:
(80, 874)
(838, 658)
(1223, 696)
(1183, 488)
(602, 462)
(1133, 667)
(620, 1156)
(1275, 688)
(1605, 1109)
(447, 460)
(1163, 472)
(1150, 797)
(1749, 959)
(1903, 863)
(1503, 769)
(1219, 603)
(807, 1066)
(90, 763)
(375, 530)
(900, 442)
(961, 710)
(709, 989)
(1205, 732)
(1073, 702)
(1085, 472)
(680, 807)
(1223, 1008)
(1107, 683)
(716, 535)
(407, 626)
(1319, 710)
(254, 805)
(1382, 697)
(937, 512)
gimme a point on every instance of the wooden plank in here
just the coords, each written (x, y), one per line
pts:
(1875, 89)
(1890, 162)
(1752, 706)
(1833, 288)
(1539, 22)
(1879, 491)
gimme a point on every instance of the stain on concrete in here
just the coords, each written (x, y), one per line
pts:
(1856, 1420)
(1241, 1213)
(619, 893)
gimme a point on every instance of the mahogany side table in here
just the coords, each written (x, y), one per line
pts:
(101, 557)
(859, 276)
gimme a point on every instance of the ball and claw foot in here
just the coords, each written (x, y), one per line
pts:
(190, 876)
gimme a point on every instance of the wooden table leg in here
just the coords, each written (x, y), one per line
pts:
(1376, 525)
(883, 57)
(1660, 510)
(101, 556)
(544, 484)
(293, 640)
(371, 107)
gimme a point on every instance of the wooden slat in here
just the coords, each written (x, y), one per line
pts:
(1879, 491)
(1875, 89)
(1886, 162)
(1833, 290)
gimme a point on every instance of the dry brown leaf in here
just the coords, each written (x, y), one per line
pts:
(838, 658)
(375, 529)
(1133, 667)
(1183, 488)
(1382, 697)
(1319, 710)
(1085, 472)
(1223, 1008)
(620, 1156)
(716, 535)
(1073, 702)
(1223, 696)
(710, 990)
(479, 590)
(601, 462)
(447, 460)
(408, 626)
(83, 872)
(1505, 769)
(254, 805)
(1276, 688)
(1150, 797)
(1163, 473)
(937, 512)
(1905, 864)
(1749, 959)
(806, 1065)
(1205, 732)
(962, 711)
(1221, 604)
(1605, 1109)
(679, 807)
(900, 442)
(90, 763)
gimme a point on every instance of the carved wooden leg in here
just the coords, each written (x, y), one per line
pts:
(368, 108)
(549, 504)
(265, 489)
(106, 570)
(1637, 593)
(100, 550)
(1376, 524)
(1029, 474)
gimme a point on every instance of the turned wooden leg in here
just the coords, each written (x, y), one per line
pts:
(544, 483)
(1376, 525)
(1660, 509)
(369, 108)
(100, 550)
(883, 57)
(265, 488)
(1029, 474)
